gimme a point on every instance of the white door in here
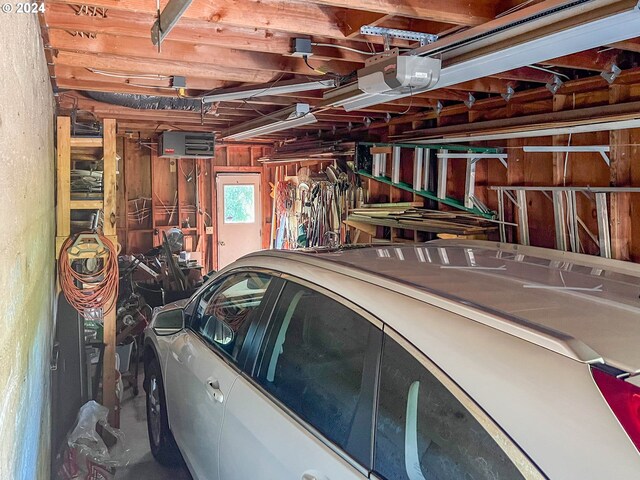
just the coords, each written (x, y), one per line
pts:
(239, 216)
(306, 414)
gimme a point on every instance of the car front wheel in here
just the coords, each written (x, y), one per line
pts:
(163, 445)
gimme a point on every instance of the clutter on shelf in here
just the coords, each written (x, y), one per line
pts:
(408, 215)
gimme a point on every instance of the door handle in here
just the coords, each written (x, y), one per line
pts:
(214, 390)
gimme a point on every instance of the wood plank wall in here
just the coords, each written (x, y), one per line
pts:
(148, 184)
(582, 169)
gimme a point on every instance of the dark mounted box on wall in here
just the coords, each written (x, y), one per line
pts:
(186, 145)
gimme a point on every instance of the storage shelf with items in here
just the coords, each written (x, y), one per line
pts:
(86, 235)
(410, 181)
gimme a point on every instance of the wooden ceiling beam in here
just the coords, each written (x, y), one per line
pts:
(85, 76)
(153, 128)
(74, 78)
(526, 74)
(461, 12)
(120, 63)
(119, 112)
(222, 58)
(276, 15)
(60, 16)
(484, 85)
(354, 19)
(593, 60)
(631, 45)
(583, 85)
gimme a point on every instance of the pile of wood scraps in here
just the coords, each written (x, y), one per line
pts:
(410, 216)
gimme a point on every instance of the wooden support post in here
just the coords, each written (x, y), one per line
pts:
(109, 230)
(63, 182)
(561, 175)
(515, 176)
(620, 176)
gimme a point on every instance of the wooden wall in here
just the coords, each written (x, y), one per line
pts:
(582, 169)
(155, 194)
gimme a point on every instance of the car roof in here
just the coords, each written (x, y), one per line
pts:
(571, 297)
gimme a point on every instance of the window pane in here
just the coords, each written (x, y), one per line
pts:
(314, 362)
(226, 312)
(239, 204)
(423, 432)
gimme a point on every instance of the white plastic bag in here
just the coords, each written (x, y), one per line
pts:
(95, 448)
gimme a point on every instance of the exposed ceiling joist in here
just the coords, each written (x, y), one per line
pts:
(221, 58)
(461, 12)
(61, 16)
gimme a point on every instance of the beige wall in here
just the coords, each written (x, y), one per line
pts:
(26, 249)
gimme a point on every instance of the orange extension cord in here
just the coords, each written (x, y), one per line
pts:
(93, 292)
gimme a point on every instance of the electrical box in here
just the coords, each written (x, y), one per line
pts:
(186, 145)
(301, 47)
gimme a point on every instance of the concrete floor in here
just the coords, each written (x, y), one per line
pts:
(133, 422)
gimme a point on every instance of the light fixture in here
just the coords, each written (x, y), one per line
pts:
(291, 117)
(438, 108)
(611, 75)
(281, 88)
(526, 41)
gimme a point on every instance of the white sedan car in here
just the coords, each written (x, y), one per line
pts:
(445, 360)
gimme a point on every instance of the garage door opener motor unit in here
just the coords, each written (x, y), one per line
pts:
(392, 72)
(186, 145)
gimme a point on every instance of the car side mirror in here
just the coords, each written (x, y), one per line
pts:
(169, 322)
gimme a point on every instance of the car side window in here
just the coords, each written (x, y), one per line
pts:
(319, 359)
(424, 432)
(224, 313)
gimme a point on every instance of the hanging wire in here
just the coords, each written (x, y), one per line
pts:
(342, 47)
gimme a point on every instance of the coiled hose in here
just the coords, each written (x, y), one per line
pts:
(87, 292)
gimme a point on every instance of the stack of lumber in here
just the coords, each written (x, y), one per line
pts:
(409, 215)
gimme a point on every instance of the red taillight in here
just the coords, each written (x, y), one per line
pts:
(624, 399)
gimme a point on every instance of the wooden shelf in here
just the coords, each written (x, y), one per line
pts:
(87, 204)
(86, 142)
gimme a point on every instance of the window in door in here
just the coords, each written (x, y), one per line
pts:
(225, 312)
(320, 361)
(239, 204)
(424, 432)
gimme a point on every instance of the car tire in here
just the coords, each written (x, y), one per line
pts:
(163, 445)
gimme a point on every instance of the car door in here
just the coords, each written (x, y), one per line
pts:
(305, 412)
(202, 365)
(427, 427)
